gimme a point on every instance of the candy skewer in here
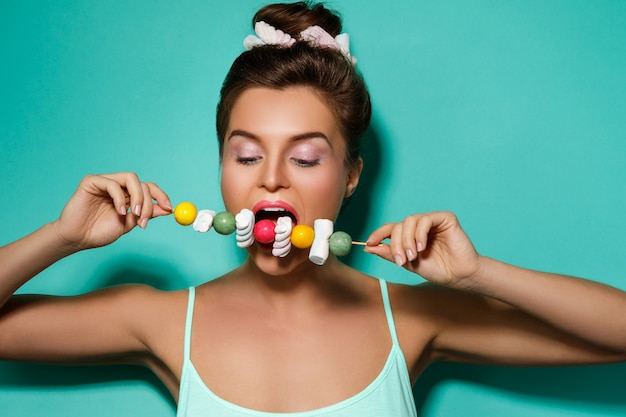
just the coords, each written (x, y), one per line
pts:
(265, 231)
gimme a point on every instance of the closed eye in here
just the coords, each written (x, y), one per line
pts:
(247, 160)
(305, 163)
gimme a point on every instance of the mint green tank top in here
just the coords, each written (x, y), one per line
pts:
(388, 395)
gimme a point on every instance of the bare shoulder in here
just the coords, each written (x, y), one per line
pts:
(109, 322)
(145, 311)
(421, 303)
(428, 299)
(436, 307)
(423, 312)
(156, 314)
(136, 301)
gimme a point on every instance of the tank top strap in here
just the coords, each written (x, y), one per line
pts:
(189, 323)
(388, 312)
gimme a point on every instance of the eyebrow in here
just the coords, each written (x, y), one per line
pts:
(242, 133)
(301, 136)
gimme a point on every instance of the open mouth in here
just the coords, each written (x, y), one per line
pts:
(273, 214)
(273, 210)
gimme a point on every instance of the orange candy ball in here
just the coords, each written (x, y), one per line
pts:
(302, 236)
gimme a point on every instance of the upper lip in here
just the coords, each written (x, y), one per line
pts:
(276, 204)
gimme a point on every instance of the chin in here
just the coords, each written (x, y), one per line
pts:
(275, 266)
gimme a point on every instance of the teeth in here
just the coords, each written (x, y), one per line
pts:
(273, 213)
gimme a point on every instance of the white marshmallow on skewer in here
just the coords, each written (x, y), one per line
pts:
(244, 221)
(320, 248)
(282, 241)
(203, 221)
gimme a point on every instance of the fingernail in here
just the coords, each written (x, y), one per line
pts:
(123, 210)
(410, 255)
(399, 260)
(419, 246)
(137, 209)
(143, 223)
(168, 205)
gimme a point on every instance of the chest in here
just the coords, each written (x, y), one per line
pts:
(283, 364)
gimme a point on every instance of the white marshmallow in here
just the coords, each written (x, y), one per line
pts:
(203, 221)
(320, 248)
(244, 221)
(282, 241)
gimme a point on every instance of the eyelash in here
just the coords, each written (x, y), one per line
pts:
(303, 163)
(247, 161)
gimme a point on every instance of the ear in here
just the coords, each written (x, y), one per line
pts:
(353, 178)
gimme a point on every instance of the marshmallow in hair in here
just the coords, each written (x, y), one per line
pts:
(320, 247)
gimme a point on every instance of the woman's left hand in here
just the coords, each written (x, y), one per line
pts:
(432, 245)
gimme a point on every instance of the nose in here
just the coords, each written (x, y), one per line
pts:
(273, 174)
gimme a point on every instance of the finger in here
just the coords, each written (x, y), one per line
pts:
(395, 244)
(146, 210)
(422, 231)
(382, 250)
(380, 234)
(98, 185)
(435, 222)
(130, 182)
(164, 205)
(409, 241)
(393, 252)
(130, 221)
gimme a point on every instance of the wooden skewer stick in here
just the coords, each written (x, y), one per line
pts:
(356, 242)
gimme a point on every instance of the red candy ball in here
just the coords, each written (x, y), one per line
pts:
(264, 231)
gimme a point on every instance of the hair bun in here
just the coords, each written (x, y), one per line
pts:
(293, 18)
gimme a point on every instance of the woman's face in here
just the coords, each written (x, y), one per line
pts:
(284, 150)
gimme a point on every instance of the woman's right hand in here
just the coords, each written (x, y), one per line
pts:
(104, 207)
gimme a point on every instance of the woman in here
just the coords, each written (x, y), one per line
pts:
(284, 335)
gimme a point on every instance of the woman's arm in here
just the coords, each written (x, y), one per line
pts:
(103, 208)
(51, 328)
(589, 310)
(434, 246)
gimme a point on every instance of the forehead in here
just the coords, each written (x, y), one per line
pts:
(291, 111)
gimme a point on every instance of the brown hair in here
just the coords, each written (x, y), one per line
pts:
(327, 71)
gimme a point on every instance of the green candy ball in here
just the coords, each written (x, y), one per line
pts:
(340, 243)
(224, 223)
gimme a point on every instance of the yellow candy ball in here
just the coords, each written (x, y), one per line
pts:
(185, 213)
(302, 236)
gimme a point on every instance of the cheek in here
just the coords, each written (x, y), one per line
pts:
(331, 184)
(229, 186)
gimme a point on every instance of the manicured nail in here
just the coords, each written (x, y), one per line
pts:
(137, 210)
(123, 210)
(399, 260)
(419, 246)
(410, 255)
(143, 223)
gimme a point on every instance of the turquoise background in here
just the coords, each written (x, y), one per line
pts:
(510, 113)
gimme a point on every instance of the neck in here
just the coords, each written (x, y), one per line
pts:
(305, 285)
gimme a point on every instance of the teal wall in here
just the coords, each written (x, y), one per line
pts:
(510, 113)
